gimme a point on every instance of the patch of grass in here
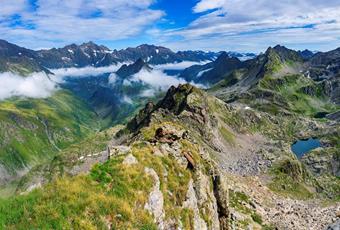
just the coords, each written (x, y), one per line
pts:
(227, 135)
(289, 179)
(237, 200)
(174, 178)
(257, 218)
(112, 194)
(187, 217)
(295, 93)
(33, 130)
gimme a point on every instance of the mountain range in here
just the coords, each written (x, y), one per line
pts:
(90, 54)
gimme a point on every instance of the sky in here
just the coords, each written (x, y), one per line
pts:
(232, 25)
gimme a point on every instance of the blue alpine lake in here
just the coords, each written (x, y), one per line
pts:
(301, 147)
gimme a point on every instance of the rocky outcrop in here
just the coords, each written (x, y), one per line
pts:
(191, 202)
(221, 194)
(156, 201)
(206, 194)
(321, 162)
(334, 226)
(130, 160)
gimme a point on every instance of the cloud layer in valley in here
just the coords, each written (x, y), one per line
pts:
(41, 85)
(178, 65)
(157, 78)
(85, 71)
(36, 85)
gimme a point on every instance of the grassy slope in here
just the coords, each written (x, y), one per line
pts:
(83, 202)
(33, 130)
(288, 91)
(112, 193)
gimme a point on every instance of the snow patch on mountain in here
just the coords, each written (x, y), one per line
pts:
(203, 71)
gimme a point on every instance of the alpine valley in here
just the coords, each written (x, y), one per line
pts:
(149, 138)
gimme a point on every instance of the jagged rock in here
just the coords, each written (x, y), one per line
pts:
(322, 162)
(142, 118)
(118, 150)
(191, 202)
(175, 151)
(157, 151)
(190, 159)
(168, 134)
(222, 198)
(206, 198)
(130, 160)
(156, 201)
(334, 226)
(309, 90)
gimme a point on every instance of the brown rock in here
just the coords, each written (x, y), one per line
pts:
(190, 159)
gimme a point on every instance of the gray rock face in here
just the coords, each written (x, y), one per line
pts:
(118, 150)
(222, 197)
(206, 198)
(130, 160)
(334, 226)
(191, 203)
(321, 162)
(156, 201)
(334, 116)
(4, 175)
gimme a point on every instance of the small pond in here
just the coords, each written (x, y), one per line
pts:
(301, 147)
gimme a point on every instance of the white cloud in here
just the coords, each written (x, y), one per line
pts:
(248, 24)
(148, 93)
(56, 23)
(157, 78)
(41, 85)
(36, 85)
(112, 78)
(127, 99)
(178, 65)
(9, 8)
(205, 5)
(85, 71)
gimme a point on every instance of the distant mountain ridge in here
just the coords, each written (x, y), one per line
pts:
(281, 80)
(14, 58)
(22, 60)
(87, 54)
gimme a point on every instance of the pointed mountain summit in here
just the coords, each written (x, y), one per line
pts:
(306, 54)
(213, 72)
(86, 54)
(280, 55)
(129, 70)
(19, 60)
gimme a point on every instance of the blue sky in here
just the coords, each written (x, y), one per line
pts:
(247, 25)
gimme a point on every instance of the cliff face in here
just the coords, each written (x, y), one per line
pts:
(170, 130)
